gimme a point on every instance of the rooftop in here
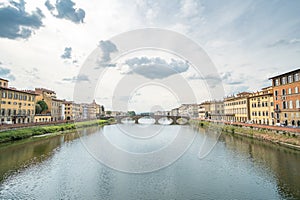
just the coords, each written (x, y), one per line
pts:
(290, 72)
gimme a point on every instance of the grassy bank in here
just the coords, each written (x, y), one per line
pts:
(22, 133)
(290, 140)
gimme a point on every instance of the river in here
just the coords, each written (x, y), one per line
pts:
(65, 167)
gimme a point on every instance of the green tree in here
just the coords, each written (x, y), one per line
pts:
(43, 105)
(108, 112)
(38, 109)
(131, 113)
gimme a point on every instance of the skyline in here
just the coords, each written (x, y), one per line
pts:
(45, 43)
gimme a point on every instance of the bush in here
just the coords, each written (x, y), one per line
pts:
(23, 133)
(232, 130)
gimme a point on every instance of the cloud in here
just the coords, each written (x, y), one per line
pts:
(155, 68)
(107, 47)
(15, 22)
(190, 8)
(33, 73)
(284, 42)
(229, 80)
(67, 53)
(64, 9)
(6, 74)
(79, 78)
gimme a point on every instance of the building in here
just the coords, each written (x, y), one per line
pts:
(262, 107)
(73, 111)
(175, 112)
(286, 98)
(204, 110)
(47, 96)
(17, 106)
(189, 110)
(216, 110)
(56, 107)
(42, 118)
(236, 107)
(57, 110)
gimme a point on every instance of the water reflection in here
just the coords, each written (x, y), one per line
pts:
(60, 168)
(23, 153)
(281, 162)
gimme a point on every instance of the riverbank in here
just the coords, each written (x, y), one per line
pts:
(23, 133)
(287, 139)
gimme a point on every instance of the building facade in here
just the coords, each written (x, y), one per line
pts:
(57, 110)
(204, 110)
(217, 110)
(262, 107)
(46, 96)
(236, 108)
(17, 106)
(286, 98)
(189, 110)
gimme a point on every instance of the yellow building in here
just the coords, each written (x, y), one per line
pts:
(236, 108)
(262, 107)
(17, 106)
(47, 96)
(42, 118)
(73, 111)
(55, 106)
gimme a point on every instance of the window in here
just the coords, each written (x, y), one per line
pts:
(16, 96)
(10, 95)
(272, 104)
(297, 104)
(290, 78)
(3, 112)
(267, 113)
(3, 94)
(291, 104)
(290, 91)
(283, 91)
(276, 93)
(296, 77)
(283, 80)
(296, 90)
(284, 105)
(276, 82)
(9, 112)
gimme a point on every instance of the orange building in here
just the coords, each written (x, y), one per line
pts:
(287, 98)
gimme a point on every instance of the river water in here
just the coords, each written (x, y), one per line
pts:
(65, 167)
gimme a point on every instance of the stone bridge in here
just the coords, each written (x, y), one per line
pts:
(175, 119)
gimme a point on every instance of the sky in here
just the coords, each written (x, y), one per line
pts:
(46, 43)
